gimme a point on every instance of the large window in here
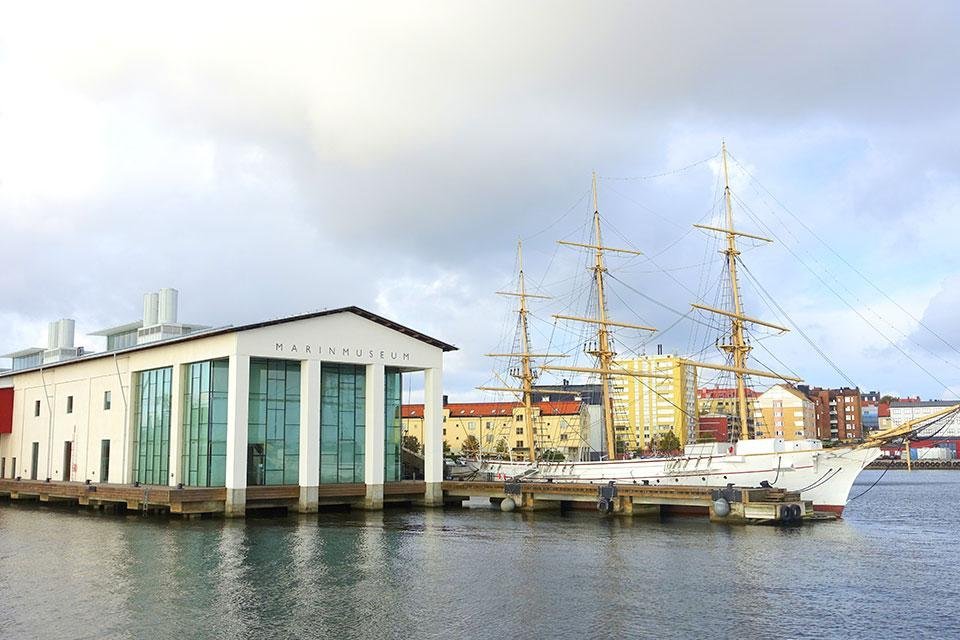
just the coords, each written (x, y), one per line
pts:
(393, 426)
(204, 451)
(151, 461)
(342, 422)
(273, 422)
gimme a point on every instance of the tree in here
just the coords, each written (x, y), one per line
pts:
(666, 442)
(411, 443)
(887, 399)
(470, 446)
(446, 448)
(552, 455)
(503, 449)
(621, 448)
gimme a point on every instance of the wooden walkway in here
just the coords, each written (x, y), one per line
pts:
(195, 500)
(187, 500)
(746, 505)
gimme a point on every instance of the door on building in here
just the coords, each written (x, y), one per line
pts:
(256, 459)
(104, 461)
(34, 460)
(67, 460)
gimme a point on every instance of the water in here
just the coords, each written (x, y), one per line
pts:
(888, 569)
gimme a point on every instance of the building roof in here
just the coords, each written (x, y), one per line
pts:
(122, 328)
(494, 409)
(363, 313)
(788, 388)
(32, 351)
(922, 403)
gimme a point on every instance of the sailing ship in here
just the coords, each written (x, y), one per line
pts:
(822, 474)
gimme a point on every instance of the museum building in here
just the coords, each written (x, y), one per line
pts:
(307, 400)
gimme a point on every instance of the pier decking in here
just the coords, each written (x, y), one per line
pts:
(746, 505)
(743, 505)
(197, 500)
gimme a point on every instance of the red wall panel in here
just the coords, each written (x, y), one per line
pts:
(6, 410)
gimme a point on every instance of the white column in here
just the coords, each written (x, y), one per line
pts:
(128, 392)
(309, 435)
(433, 434)
(238, 396)
(375, 435)
(176, 423)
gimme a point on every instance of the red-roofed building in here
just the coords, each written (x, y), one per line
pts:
(499, 426)
(722, 401)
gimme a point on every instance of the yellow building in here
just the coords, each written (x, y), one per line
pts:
(499, 427)
(645, 407)
(783, 412)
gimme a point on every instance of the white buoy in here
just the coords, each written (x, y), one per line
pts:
(507, 505)
(721, 507)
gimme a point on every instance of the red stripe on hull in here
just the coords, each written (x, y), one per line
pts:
(832, 508)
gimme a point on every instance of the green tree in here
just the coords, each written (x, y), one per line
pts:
(666, 442)
(552, 455)
(470, 446)
(621, 448)
(503, 449)
(411, 443)
(446, 448)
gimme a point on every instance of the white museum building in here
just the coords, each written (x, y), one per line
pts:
(307, 400)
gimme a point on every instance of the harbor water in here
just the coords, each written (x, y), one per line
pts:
(889, 568)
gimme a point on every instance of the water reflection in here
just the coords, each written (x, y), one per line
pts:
(483, 573)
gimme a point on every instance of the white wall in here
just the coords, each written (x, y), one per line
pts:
(342, 337)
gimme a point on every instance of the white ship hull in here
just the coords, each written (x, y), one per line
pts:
(823, 476)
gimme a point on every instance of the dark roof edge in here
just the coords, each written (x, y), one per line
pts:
(363, 313)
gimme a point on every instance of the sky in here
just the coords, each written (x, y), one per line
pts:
(267, 160)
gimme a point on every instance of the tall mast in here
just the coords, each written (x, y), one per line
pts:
(603, 351)
(738, 347)
(525, 373)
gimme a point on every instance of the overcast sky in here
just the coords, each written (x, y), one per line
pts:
(269, 160)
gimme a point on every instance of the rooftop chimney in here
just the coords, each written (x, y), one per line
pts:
(168, 306)
(151, 305)
(60, 334)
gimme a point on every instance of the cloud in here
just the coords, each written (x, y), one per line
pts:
(389, 155)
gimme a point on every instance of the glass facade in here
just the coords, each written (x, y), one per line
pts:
(393, 426)
(204, 450)
(342, 422)
(26, 362)
(122, 340)
(151, 460)
(273, 422)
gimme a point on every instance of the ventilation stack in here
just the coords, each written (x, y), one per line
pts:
(60, 337)
(151, 309)
(160, 312)
(168, 306)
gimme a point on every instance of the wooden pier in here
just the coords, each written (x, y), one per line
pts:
(735, 505)
(193, 501)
